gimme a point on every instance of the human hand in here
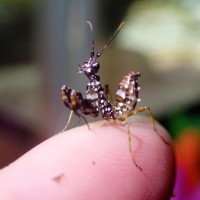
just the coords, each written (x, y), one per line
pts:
(94, 164)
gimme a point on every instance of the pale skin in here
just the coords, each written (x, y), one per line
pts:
(94, 164)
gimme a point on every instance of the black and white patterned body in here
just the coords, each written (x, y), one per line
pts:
(92, 90)
(95, 93)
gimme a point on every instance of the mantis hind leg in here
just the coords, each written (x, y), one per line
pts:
(123, 123)
(130, 147)
(148, 110)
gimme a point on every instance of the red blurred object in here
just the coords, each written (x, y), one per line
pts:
(187, 149)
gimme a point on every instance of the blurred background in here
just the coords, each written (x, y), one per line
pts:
(42, 43)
